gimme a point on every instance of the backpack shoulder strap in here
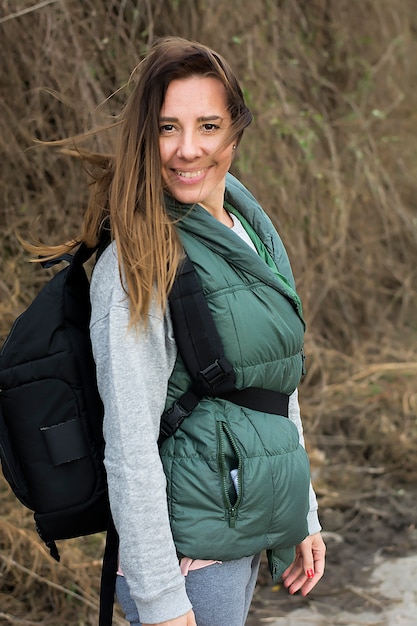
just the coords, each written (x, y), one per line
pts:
(196, 334)
(79, 257)
(200, 347)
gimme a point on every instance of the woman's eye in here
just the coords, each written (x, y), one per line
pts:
(166, 128)
(209, 127)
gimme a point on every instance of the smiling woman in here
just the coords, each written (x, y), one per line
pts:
(194, 513)
(195, 143)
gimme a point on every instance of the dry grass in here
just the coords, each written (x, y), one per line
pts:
(34, 588)
(331, 155)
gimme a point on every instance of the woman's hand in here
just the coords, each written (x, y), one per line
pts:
(308, 566)
(185, 620)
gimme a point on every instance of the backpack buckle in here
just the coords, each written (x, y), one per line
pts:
(171, 420)
(216, 373)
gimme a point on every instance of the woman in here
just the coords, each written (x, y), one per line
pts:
(194, 515)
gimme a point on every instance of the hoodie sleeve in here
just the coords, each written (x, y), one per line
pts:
(294, 415)
(133, 368)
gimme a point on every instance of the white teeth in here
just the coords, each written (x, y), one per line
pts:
(190, 174)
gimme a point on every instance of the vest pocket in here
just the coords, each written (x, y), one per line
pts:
(230, 471)
(210, 517)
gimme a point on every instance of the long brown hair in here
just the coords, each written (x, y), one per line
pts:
(128, 193)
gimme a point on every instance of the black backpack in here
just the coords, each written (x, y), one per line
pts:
(51, 442)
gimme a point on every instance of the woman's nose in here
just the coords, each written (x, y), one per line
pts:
(189, 146)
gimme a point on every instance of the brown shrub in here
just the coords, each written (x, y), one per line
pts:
(331, 156)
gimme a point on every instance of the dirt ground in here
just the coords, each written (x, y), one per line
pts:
(371, 572)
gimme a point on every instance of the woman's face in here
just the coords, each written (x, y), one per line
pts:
(194, 122)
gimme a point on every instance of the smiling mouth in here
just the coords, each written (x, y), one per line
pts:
(189, 175)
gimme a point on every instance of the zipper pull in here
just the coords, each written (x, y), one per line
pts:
(232, 517)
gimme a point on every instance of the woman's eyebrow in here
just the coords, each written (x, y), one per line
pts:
(208, 118)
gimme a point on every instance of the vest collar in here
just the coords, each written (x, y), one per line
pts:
(200, 224)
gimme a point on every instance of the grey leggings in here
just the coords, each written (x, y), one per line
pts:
(220, 593)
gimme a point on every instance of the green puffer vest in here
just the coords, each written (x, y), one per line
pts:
(259, 318)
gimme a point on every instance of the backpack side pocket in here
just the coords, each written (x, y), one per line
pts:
(11, 468)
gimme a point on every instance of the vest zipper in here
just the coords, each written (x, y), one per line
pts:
(232, 509)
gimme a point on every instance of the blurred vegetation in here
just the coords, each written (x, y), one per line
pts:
(332, 157)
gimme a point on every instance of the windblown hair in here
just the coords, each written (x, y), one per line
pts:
(128, 194)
